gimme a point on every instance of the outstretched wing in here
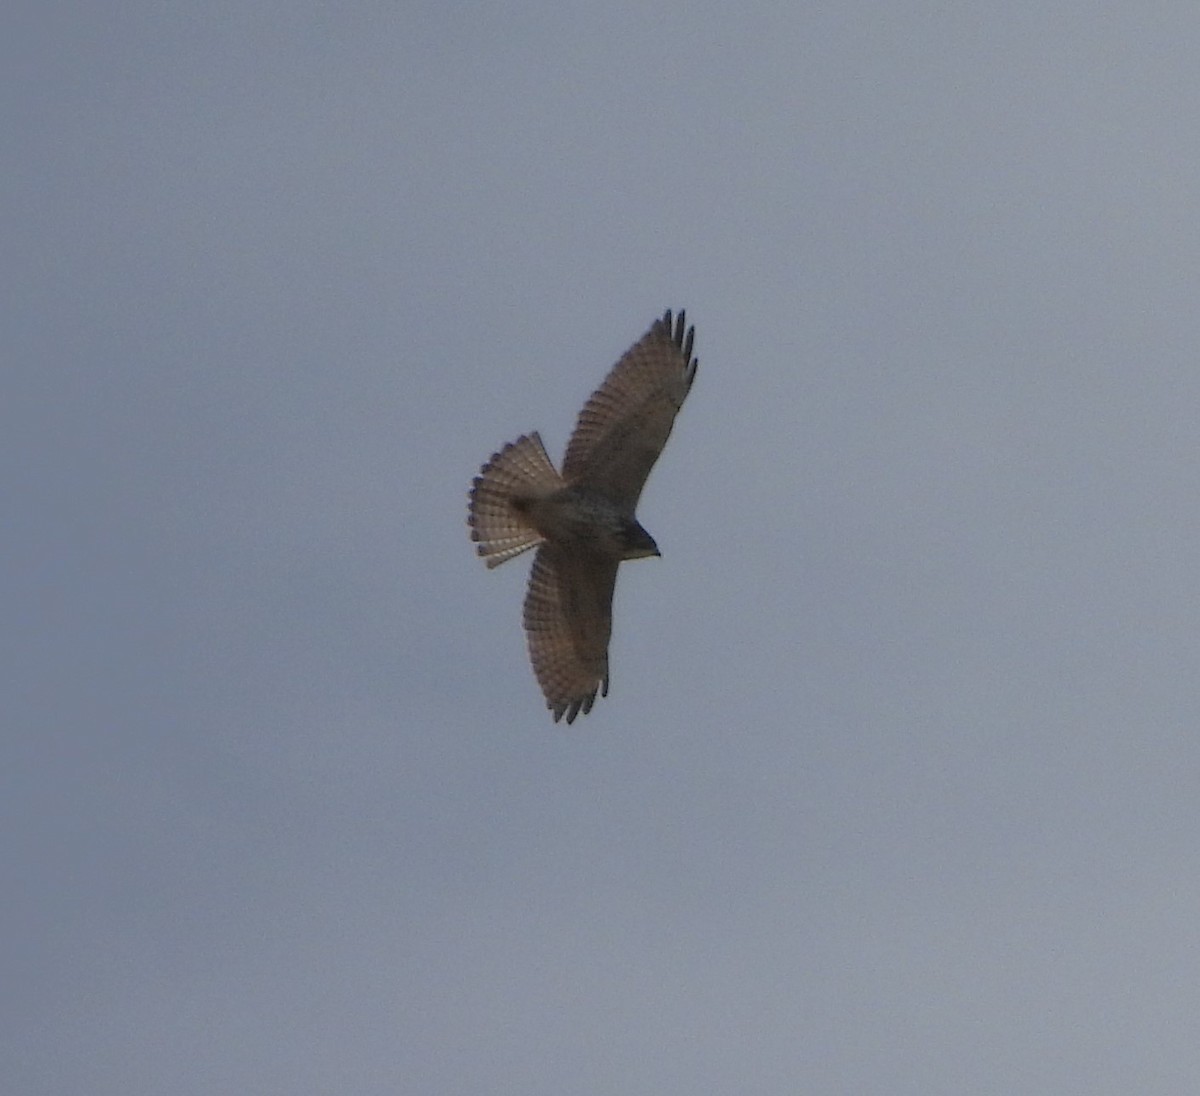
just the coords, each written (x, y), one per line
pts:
(568, 620)
(624, 426)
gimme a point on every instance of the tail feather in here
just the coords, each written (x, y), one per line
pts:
(521, 470)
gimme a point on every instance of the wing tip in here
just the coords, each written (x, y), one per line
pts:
(682, 336)
(578, 705)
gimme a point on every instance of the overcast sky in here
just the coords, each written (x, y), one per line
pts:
(897, 787)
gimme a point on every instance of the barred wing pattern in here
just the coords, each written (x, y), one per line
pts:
(583, 522)
(568, 620)
(624, 426)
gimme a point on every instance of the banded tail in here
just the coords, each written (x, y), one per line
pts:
(520, 471)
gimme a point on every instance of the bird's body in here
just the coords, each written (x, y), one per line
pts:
(582, 522)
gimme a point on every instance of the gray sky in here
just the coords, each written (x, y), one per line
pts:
(896, 787)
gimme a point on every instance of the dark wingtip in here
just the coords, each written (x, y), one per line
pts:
(580, 705)
(678, 332)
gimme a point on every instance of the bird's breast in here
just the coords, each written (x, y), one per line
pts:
(582, 520)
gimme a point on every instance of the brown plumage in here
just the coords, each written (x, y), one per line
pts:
(582, 522)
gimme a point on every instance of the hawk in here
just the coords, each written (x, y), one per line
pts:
(582, 520)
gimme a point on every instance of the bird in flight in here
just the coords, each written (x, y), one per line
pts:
(582, 520)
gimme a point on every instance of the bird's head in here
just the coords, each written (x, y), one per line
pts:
(637, 543)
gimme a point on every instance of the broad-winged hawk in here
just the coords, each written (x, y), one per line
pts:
(582, 521)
